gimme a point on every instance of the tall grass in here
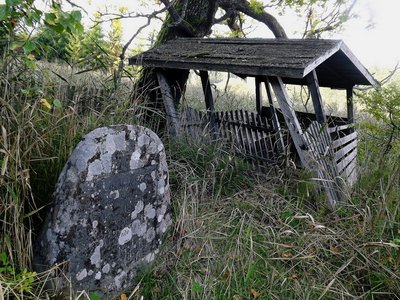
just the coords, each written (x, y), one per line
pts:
(269, 239)
(236, 235)
(43, 115)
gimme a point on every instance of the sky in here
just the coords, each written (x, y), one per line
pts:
(379, 46)
(374, 46)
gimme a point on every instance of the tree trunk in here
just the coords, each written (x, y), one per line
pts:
(196, 19)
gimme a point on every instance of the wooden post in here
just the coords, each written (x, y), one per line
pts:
(173, 120)
(350, 105)
(313, 87)
(291, 120)
(208, 97)
(258, 95)
(275, 120)
(308, 159)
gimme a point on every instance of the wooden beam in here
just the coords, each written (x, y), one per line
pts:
(275, 120)
(172, 115)
(258, 94)
(313, 87)
(291, 120)
(350, 105)
(208, 97)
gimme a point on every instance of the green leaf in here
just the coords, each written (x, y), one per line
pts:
(256, 6)
(29, 47)
(16, 45)
(29, 63)
(76, 14)
(50, 19)
(13, 2)
(79, 28)
(94, 296)
(3, 12)
(3, 259)
(59, 28)
(36, 14)
(250, 273)
(57, 103)
(196, 287)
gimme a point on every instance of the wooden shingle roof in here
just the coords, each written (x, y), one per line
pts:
(291, 59)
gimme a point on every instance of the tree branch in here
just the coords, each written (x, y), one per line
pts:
(76, 5)
(261, 16)
(333, 20)
(126, 46)
(178, 20)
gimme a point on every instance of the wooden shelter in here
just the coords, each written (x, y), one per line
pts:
(325, 145)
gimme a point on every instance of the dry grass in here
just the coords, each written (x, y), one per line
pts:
(42, 118)
(272, 241)
(235, 235)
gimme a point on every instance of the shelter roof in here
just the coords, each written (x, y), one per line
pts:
(290, 59)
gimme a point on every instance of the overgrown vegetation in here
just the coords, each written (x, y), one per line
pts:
(272, 241)
(236, 235)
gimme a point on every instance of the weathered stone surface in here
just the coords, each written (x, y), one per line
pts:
(111, 207)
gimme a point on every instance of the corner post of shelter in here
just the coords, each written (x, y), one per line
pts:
(209, 100)
(313, 87)
(275, 120)
(350, 106)
(258, 94)
(172, 115)
(291, 120)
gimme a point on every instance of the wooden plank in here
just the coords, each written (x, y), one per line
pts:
(345, 161)
(172, 115)
(347, 172)
(251, 132)
(344, 140)
(230, 133)
(313, 87)
(221, 125)
(257, 136)
(265, 149)
(320, 169)
(250, 137)
(350, 105)
(338, 128)
(291, 120)
(208, 97)
(275, 120)
(278, 143)
(238, 134)
(343, 151)
(240, 131)
(262, 127)
(319, 142)
(318, 147)
(258, 94)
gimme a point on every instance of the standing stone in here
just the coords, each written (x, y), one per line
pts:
(111, 208)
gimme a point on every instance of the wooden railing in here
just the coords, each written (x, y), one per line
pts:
(344, 145)
(334, 148)
(250, 132)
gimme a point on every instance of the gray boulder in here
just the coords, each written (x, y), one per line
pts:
(111, 209)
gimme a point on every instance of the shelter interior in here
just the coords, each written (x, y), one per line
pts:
(325, 145)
